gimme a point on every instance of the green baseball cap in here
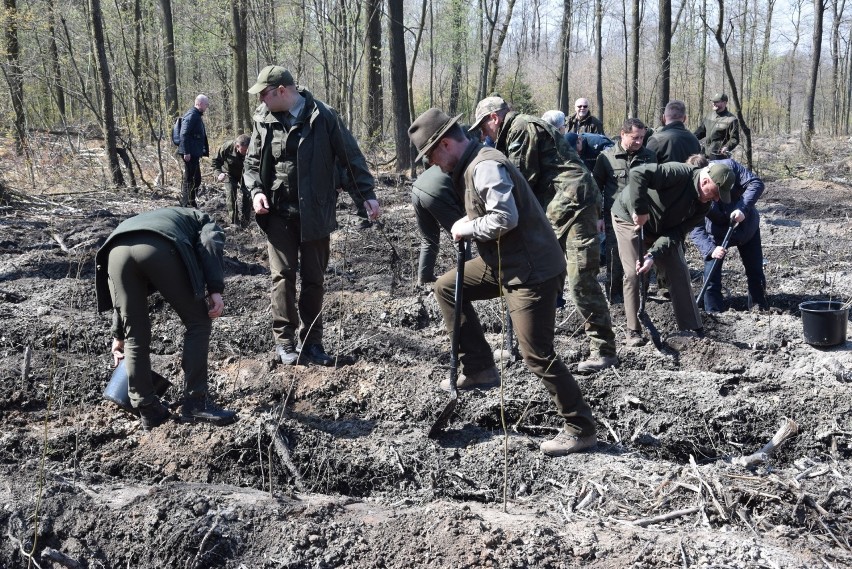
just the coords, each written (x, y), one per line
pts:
(723, 177)
(719, 97)
(271, 76)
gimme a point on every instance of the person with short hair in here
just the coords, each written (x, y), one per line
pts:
(663, 203)
(177, 252)
(582, 119)
(611, 170)
(720, 130)
(673, 142)
(228, 169)
(519, 259)
(289, 170)
(193, 146)
(708, 237)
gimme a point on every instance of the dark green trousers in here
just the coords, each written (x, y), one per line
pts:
(532, 309)
(139, 263)
(287, 253)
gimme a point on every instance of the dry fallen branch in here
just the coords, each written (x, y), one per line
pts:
(284, 454)
(645, 522)
(788, 429)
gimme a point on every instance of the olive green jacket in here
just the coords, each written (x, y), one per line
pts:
(612, 167)
(323, 139)
(229, 161)
(668, 193)
(720, 130)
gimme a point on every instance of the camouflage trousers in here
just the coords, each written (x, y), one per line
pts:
(582, 251)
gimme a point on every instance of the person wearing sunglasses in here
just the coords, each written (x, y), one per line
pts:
(582, 120)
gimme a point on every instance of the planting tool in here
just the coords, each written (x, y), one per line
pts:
(715, 263)
(643, 298)
(444, 418)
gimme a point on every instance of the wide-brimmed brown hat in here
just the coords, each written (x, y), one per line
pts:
(428, 128)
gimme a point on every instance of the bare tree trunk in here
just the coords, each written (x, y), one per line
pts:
(373, 49)
(599, 59)
(791, 68)
(664, 49)
(838, 7)
(107, 112)
(563, 100)
(239, 21)
(634, 60)
(735, 96)
(702, 61)
(417, 41)
(498, 46)
(53, 51)
(813, 74)
(12, 71)
(399, 86)
(459, 30)
(490, 23)
(171, 93)
(763, 82)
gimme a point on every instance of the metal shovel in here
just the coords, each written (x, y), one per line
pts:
(716, 262)
(643, 297)
(444, 418)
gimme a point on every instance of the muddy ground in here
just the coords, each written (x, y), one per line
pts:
(332, 467)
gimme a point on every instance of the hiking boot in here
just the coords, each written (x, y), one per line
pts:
(153, 415)
(205, 411)
(484, 379)
(597, 364)
(286, 354)
(364, 224)
(634, 338)
(315, 354)
(563, 444)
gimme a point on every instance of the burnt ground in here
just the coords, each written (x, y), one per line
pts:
(332, 467)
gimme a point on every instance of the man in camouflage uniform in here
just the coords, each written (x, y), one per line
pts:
(720, 130)
(228, 168)
(611, 170)
(565, 189)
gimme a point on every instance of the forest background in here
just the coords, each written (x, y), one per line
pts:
(119, 72)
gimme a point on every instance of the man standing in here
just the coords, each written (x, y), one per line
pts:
(708, 237)
(228, 168)
(193, 145)
(673, 142)
(611, 171)
(582, 119)
(178, 252)
(289, 170)
(520, 259)
(720, 130)
(565, 189)
(663, 202)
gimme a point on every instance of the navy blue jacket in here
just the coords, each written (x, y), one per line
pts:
(744, 195)
(193, 135)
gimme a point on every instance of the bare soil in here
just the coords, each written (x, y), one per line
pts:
(332, 467)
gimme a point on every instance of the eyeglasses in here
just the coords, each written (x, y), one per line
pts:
(267, 91)
(582, 106)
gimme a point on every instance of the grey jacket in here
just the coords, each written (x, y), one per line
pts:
(322, 140)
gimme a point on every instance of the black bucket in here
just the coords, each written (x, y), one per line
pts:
(116, 389)
(824, 322)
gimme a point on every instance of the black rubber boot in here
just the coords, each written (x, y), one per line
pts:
(153, 415)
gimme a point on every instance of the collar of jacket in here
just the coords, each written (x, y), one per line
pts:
(461, 165)
(263, 115)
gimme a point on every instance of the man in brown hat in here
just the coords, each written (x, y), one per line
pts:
(289, 171)
(520, 260)
(720, 130)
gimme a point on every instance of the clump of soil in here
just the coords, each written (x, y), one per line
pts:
(331, 467)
